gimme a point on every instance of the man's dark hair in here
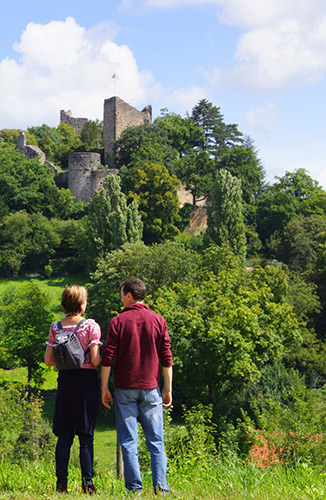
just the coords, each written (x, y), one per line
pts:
(135, 286)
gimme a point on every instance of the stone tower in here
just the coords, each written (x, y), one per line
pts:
(118, 115)
(84, 175)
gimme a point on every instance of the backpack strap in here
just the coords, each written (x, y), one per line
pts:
(75, 330)
(80, 322)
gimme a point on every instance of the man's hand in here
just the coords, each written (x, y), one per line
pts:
(167, 388)
(167, 398)
(107, 398)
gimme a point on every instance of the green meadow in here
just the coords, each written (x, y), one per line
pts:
(222, 476)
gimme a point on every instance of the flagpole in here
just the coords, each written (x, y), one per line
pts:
(114, 83)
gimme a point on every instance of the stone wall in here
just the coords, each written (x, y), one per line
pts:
(33, 152)
(118, 115)
(85, 175)
(76, 123)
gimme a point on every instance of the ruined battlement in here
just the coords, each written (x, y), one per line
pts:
(119, 115)
(85, 172)
(76, 123)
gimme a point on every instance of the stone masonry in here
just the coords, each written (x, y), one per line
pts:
(76, 123)
(85, 172)
(118, 115)
(85, 175)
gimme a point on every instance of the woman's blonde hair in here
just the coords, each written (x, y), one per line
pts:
(73, 297)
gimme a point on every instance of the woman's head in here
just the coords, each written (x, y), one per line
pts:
(73, 298)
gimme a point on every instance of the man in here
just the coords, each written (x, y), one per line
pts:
(139, 342)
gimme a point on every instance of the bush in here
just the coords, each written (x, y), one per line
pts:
(189, 443)
(24, 435)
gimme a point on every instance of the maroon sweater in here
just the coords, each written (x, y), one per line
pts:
(138, 340)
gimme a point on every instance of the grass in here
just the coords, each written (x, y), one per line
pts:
(52, 286)
(222, 478)
(219, 478)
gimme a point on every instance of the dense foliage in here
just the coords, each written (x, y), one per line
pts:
(245, 300)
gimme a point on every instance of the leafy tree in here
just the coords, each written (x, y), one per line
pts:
(10, 135)
(158, 265)
(56, 143)
(225, 224)
(29, 239)
(224, 330)
(70, 141)
(196, 171)
(181, 133)
(242, 163)
(47, 139)
(285, 200)
(111, 222)
(155, 191)
(144, 143)
(28, 185)
(26, 319)
(300, 240)
(92, 134)
(130, 141)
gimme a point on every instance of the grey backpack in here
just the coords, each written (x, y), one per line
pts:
(67, 351)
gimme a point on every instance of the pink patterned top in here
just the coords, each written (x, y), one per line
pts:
(88, 333)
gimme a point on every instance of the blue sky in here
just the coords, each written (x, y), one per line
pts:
(262, 62)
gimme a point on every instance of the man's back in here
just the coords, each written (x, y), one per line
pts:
(138, 340)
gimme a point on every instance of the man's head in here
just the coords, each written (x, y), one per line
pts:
(132, 290)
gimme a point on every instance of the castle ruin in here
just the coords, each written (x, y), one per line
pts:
(76, 123)
(118, 115)
(85, 172)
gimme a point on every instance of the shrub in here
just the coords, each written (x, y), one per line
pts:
(24, 435)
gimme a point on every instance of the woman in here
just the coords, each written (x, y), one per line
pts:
(77, 399)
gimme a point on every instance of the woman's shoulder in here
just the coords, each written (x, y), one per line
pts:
(91, 321)
(91, 324)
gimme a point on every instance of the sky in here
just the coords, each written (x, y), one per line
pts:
(262, 62)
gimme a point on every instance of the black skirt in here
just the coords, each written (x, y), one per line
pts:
(77, 401)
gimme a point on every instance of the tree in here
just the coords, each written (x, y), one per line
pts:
(218, 137)
(300, 241)
(242, 163)
(196, 171)
(27, 239)
(92, 134)
(157, 265)
(144, 143)
(225, 224)
(285, 200)
(111, 221)
(10, 135)
(56, 143)
(28, 185)
(155, 191)
(224, 330)
(26, 319)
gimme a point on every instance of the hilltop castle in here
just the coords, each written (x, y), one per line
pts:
(85, 172)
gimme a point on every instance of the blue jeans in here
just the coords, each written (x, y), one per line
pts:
(86, 456)
(147, 405)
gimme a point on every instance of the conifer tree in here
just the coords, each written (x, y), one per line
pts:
(225, 224)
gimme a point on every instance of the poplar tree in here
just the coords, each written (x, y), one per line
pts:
(225, 223)
(111, 222)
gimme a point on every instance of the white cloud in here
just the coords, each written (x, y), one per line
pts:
(183, 100)
(62, 65)
(284, 42)
(260, 118)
